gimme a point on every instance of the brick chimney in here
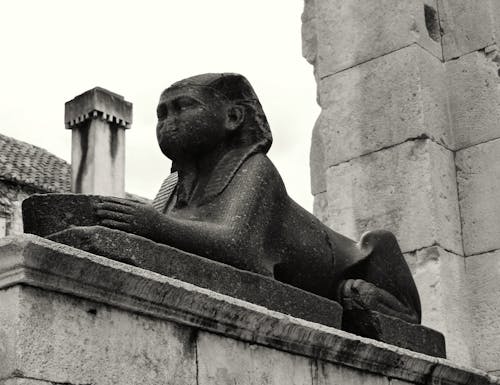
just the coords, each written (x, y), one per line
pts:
(98, 119)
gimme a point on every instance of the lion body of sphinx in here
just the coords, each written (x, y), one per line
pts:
(268, 233)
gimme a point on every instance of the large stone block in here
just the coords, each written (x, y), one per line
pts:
(409, 189)
(350, 32)
(225, 361)
(474, 94)
(484, 285)
(333, 374)
(382, 103)
(65, 339)
(442, 284)
(466, 26)
(478, 177)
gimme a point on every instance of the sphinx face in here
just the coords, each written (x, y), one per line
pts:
(191, 122)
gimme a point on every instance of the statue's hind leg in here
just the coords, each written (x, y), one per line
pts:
(357, 294)
(382, 281)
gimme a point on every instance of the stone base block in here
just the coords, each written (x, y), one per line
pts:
(484, 287)
(394, 331)
(247, 286)
(71, 317)
(226, 361)
(171, 262)
(382, 103)
(478, 177)
(409, 189)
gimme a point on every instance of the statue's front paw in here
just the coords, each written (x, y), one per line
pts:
(359, 294)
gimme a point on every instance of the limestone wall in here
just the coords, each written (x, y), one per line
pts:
(408, 140)
(70, 317)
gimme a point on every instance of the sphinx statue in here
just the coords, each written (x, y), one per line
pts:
(224, 200)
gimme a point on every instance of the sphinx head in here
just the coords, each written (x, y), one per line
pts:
(201, 113)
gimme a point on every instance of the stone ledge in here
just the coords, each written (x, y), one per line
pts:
(34, 261)
(202, 272)
(394, 331)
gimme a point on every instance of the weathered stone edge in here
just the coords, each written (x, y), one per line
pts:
(31, 260)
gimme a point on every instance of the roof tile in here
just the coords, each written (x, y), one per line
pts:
(29, 165)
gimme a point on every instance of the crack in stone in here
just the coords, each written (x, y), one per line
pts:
(412, 139)
(50, 382)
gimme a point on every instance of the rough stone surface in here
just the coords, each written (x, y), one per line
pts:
(352, 32)
(225, 361)
(24, 381)
(398, 382)
(309, 37)
(466, 25)
(441, 280)
(42, 217)
(327, 374)
(474, 93)
(478, 177)
(484, 285)
(9, 320)
(394, 331)
(70, 275)
(68, 340)
(3, 226)
(317, 157)
(409, 189)
(320, 207)
(381, 103)
(171, 262)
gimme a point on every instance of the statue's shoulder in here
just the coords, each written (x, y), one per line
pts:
(258, 172)
(259, 164)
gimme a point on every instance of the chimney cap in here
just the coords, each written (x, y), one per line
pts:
(98, 103)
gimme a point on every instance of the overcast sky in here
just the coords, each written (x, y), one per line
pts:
(53, 50)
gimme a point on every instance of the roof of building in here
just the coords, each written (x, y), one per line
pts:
(32, 166)
(27, 165)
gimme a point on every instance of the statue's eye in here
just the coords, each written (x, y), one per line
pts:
(184, 103)
(161, 112)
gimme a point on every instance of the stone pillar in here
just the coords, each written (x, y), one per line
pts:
(407, 140)
(98, 119)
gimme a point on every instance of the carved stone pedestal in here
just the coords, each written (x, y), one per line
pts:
(68, 316)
